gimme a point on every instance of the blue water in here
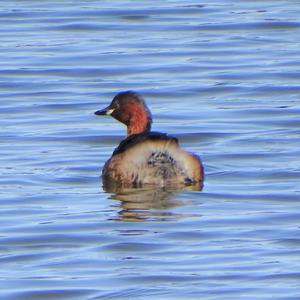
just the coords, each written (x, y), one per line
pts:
(223, 77)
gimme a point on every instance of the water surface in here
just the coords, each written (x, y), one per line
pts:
(223, 77)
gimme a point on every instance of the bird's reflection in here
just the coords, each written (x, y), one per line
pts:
(148, 202)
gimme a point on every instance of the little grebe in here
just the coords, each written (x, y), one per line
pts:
(146, 157)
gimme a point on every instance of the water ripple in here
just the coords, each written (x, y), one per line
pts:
(223, 77)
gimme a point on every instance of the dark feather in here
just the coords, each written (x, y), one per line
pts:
(135, 139)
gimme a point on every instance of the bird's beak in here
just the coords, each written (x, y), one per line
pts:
(105, 111)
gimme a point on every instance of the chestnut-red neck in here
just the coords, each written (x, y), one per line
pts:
(140, 120)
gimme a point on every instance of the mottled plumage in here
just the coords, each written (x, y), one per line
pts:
(146, 157)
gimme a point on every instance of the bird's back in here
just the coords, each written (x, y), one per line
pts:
(152, 158)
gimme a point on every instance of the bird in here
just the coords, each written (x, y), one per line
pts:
(146, 157)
